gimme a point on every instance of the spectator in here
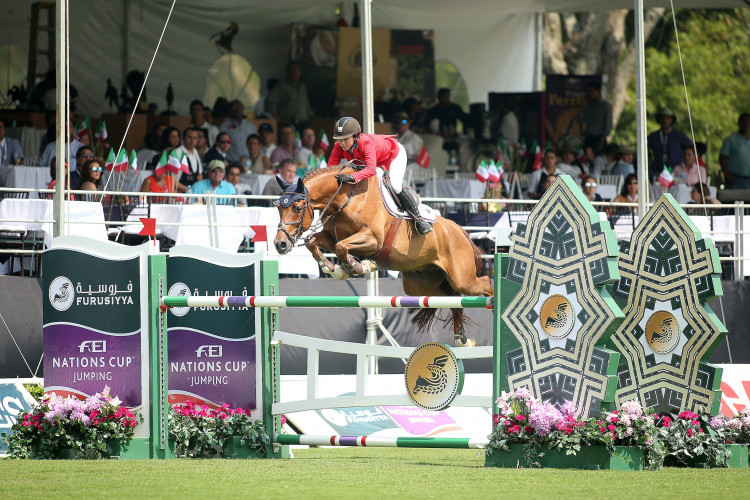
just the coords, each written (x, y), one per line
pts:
(220, 111)
(51, 150)
(286, 171)
(595, 119)
(10, 149)
(588, 164)
(410, 140)
(509, 127)
(53, 175)
(413, 108)
(619, 165)
(151, 144)
(443, 118)
(629, 193)
(202, 145)
(170, 139)
(198, 120)
(589, 188)
(567, 162)
(238, 128)
(666, 144)
(701, 194)
(159, 183)
(256, 162)
(215, 184)
(259, 109)
(189, 142)
(536, 183)
(234, 177)
(308, 146)
(267, 144)
(91, 176)
(288, 100)
(734, 156)
(219, 151)
(689, 172)
(286, 148)
(547, 183)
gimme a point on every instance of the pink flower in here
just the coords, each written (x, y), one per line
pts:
(666, 421)
(690, 432)
(520, 418)
(611, 427)
(615, 419)
(568, 431)
(26, 423)
(222, 415)
(528, 429)
(514, 429)
(133, 423)
(695, 422)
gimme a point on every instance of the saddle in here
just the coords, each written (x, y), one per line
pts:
(389, 187)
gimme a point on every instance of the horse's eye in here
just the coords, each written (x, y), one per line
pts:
(297, 208)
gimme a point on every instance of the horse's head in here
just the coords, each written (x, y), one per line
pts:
(295, 214)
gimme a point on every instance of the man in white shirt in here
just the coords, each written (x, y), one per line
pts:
(308, 146)
(238, 128)
(411, 142)
(198, 120)
(566, 164)
(267, 144)
(10, 149)
(536, 183)
(51, 150)
(189, 141)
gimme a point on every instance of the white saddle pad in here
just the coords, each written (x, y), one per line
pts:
(427, 213)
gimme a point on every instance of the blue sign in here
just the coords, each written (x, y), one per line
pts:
(14, 399)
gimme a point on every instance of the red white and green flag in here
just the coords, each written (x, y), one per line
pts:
(133, 160)
(101, 131)
(665, 177)
(538, 157)
(173, 163)
(423, 160)
(481, 173)
(313, 162)
(493, 174)
(163, 166)
(522, 150)
(324, 143)
(184, 164)
(121, 164)
(110, 164)
(322, 162)
(82, 128)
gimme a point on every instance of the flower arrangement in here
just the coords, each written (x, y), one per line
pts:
(80, 427)
(734, 429)
(201, 432)
(686, 441)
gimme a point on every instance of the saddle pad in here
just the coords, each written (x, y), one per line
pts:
(427, 213)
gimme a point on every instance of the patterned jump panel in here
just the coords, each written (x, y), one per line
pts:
(667, 273)
(558, 315)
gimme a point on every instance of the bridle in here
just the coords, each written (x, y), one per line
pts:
(293, 237)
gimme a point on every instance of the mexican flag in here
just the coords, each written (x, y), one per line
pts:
(82, 128)
(163, 166)
(184, 165)
(313, 162)
(423, 160)
(493, 174)
(665, 177)
(482, 174)
(538, 158)
(324, 140)
(101, 131)
(121, 164)
(173, 163)
(522, 150)
(110, 164)
(133, 160)
(322, 163)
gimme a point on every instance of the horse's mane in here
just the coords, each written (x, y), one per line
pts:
(327, 170)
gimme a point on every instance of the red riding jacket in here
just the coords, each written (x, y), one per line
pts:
(373, 150)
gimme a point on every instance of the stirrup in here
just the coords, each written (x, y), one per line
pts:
(422, 226)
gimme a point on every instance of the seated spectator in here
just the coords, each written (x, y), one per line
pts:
(91, 175)
(618, 166)
(215, 184)
(567, 162)
(51, 150)
(234, 176)
(198, 120)
(159, 183)
(202, 145)
(547, 183)
(11, 152)
(238, 127)
(53, 175)
(286, 148)
(701, 195)
(267, 144)
(589, 188)
(629, 193)
(413, 108)
(308, 146)
(170, 139)
(689, 172)
(286, 171)
(151, 144)
(219, 149)
(536, 183)
(411, 142)
(255, 161)
(189, 142)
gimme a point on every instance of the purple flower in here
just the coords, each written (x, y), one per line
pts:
(633, 408)
(568, 409)
(523, 393)
(716, 422)
(543, 418)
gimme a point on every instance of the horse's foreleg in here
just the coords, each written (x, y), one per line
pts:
(324, 241)
(363, 243)
(459, 336)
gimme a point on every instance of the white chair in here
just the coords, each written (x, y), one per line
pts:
(612, 180)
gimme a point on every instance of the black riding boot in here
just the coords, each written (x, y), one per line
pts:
(410, 204)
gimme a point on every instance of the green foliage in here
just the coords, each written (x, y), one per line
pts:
(717, 65)
(36, 391)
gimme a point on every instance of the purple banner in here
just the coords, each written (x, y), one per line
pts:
(419, 422)
(79, 361)
(209, 370)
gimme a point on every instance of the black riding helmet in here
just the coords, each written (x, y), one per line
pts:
(346, 127)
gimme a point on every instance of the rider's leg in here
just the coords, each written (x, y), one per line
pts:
(396, 173)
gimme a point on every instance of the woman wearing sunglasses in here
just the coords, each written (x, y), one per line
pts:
(91, 176)
(589, 188)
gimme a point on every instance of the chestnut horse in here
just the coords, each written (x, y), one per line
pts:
(354, 224)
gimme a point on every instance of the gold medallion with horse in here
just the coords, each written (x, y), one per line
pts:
(433, 376)
(662, 332)
(357, 227)
(557, 316)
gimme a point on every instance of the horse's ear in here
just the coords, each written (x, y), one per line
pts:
(300, 186)
(282, 183)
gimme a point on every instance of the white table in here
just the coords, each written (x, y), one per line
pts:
(257, 182)
(452, 188)
(17, 176)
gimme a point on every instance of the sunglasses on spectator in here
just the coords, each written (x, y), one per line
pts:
(633, 183)
(404, 122)
(590, 184)
(226, 141)
(96, 169)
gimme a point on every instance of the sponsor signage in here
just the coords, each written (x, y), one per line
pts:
(14, 399)
(212, 351)
(433, 376)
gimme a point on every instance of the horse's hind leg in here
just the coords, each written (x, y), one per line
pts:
(459, 335)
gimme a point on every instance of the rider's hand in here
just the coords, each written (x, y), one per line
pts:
(345, 178)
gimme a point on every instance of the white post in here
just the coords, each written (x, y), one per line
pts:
(640, 110)
(61, 46)
(372, 322)
(368, 109)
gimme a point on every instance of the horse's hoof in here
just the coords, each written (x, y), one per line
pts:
(340, 273)
(369, 266)
(465, 342)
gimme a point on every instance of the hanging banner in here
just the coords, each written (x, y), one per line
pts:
(212, 353)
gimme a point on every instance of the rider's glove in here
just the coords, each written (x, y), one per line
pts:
(345, 178)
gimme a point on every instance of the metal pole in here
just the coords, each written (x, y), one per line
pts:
(61, 47)
(640, 110)
(372, 322)
(368, 109)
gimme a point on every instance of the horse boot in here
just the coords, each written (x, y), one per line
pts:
(410, 205)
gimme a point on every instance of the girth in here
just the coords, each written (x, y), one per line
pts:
(383, 257)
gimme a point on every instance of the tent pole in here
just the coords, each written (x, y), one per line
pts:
(368, 109)
(644, 188)
(63, 116)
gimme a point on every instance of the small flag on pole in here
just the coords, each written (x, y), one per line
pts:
(260, 234)
(184, 165)
(149, 226)
(665, 177)
(133, 160)
(101, 131)
(538, 158)
(493, 175)
(522, 148)
(423, 160)
(324, 140)
(322, 163)
(121, 164)
(173, 163)
(482, 174)
(82, 128)
(110, 164)
(163, 166)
